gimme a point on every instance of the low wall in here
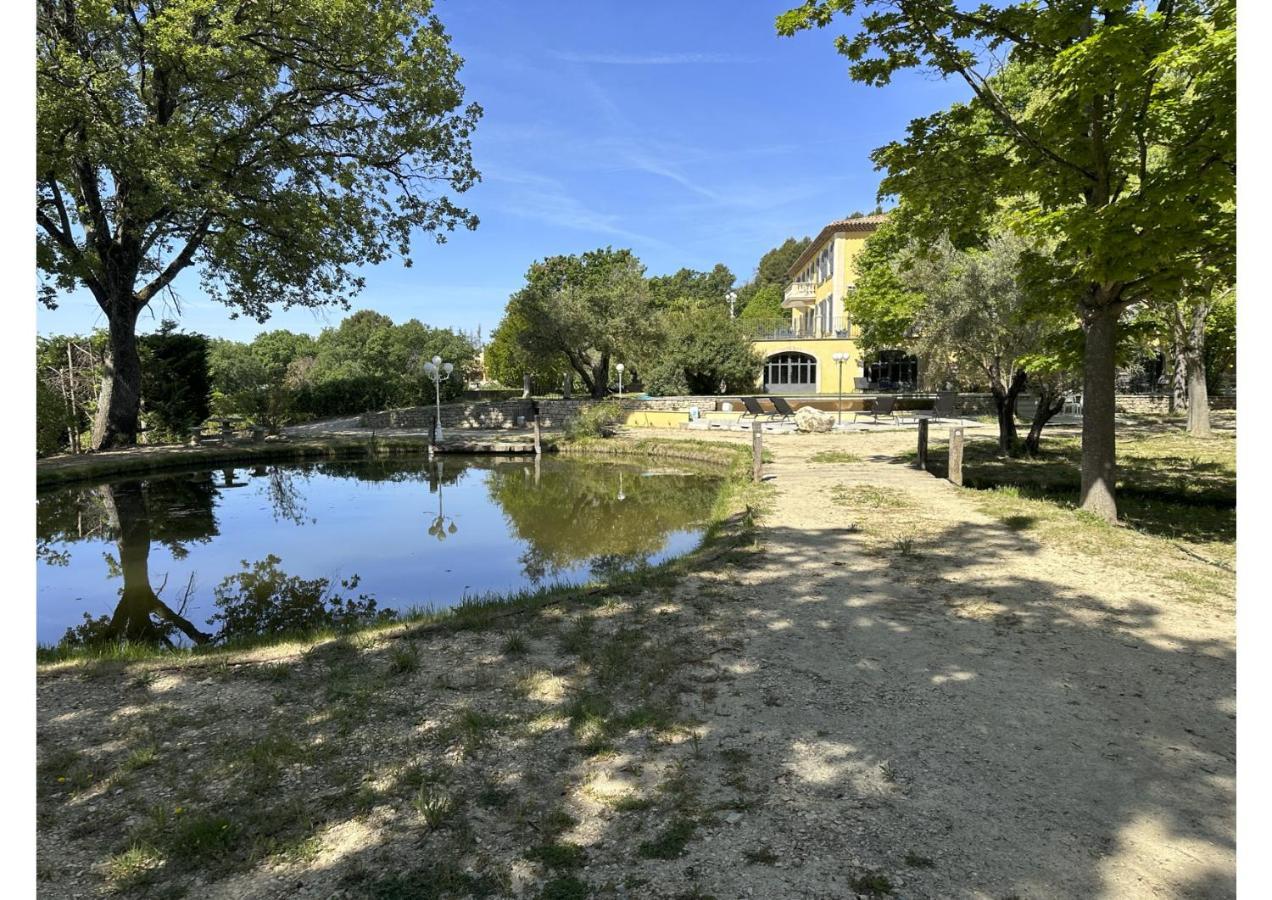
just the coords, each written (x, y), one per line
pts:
(499, 414)
(1160, 403)
(558, 413)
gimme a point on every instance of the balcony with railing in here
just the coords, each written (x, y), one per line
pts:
(799, 293)
(785, 330)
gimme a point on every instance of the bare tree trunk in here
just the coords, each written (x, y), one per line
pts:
(119, 402)
(1050, 403)
(1178, 379)
(1099, 433)
(1005, 404)
(600, 377)
(1198, 394)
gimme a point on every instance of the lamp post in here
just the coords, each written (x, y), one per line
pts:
(438, 371)
(840, 359)
(619, 368)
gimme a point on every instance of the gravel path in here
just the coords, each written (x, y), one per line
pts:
(1030, 723)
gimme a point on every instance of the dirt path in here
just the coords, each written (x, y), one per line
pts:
(1033, 724)
(897, 694)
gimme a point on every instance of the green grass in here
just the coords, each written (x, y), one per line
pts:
(435, 806)
(834, 456)
(870, 497)
(1169, 485)
(133, 868)
(558, 855)
(671, 842)
(565, 887)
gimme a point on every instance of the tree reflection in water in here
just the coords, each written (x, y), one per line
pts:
(606, 515)
(560, 514)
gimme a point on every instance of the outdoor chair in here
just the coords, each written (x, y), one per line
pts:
(783, 407)
(882, 408)
(944, 406)
(754, 410)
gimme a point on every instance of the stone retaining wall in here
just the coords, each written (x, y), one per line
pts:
(557, 413)
(1160, 403)
(501, 414)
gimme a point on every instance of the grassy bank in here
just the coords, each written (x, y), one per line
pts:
(458, 753)
(1176, 500)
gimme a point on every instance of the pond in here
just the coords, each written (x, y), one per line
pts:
(198, 555)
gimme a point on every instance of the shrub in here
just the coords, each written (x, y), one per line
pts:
(596, 420)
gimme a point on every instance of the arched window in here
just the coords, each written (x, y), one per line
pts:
(789, 373)
(892, 370)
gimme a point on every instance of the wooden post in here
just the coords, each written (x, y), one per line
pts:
(923, 444)
(538, 448)
(757, 451)
(956, 456)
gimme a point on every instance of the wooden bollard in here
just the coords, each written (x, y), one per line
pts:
(923, 444)
(956, 456)
(757, 451)
(538, 448)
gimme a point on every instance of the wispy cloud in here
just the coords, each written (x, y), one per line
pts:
(653, 59)
(547, 200)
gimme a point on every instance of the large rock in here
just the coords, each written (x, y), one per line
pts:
(808, 418)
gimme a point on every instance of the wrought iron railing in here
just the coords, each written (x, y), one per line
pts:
(783, 329)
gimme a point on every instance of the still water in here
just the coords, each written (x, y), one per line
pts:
(405, 532)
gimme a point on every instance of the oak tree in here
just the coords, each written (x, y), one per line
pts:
(274, 146)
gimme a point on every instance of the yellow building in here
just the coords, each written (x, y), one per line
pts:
(799, 353)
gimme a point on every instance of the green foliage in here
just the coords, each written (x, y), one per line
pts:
(764, 304)
(763, 294)
(702, 351)
(1109, 133)
(595, 420)
(590, 309)
(690, 288)
(52, 419)
(882, 306)
(1221, 340)
(366, 362)
(262, 599)
(175, 384)
(507, 359)
(279, 148)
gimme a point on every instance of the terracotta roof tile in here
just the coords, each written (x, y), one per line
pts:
(860, 223)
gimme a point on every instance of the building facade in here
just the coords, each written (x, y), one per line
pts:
(799, 353)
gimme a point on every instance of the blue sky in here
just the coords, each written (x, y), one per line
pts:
(689, 132)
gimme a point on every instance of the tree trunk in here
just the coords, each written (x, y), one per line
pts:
(1178, 379)
(1099, 433)
(1198, 393)
(119, 401)
(1005, 404)
(600, 378)
(1050, 403)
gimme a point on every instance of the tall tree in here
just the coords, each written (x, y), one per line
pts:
(586, 308)
(769, 281)
(1114, 121)
(689, 287)
(274, 146)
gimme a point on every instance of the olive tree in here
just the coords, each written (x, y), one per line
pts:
(275, 147)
